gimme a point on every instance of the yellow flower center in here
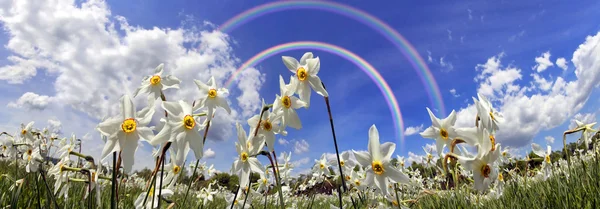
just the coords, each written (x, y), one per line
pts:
(492, 115)
(235, 202)
(321, 165)
(29, 152)
(62, 168)
(3, 147)
(301, 73)
(212, 93)
(23, 132)
(151, 193)
(342, 163)
(264, 181)
(189, 122)
(267, 125)
(377, 167)
(347, 177)
(244, 156)
(357, 182)
(395, 203)
(548, 159)
(176, 169)
(402, 164)
(93, 177)
(155, 80)
(504, 153)
(493, 140)
(129, 125)
(286, 101)
(486, 170)
(444, 134)
(500, 177)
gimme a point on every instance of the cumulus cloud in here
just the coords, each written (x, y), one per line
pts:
(95, 57)
(31, 101)
(527, 113)
(209, 154)
(301, 146)
(301, 162)
(543, 62)
(282, 141)
(54, 125)
(250, 82)
(562, 63)
(453, 92)
(549, 139)
(412, 130)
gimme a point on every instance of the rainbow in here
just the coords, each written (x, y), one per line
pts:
(431, 86)
(344, 53)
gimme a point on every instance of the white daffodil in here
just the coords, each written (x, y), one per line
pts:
(547, 164)
(7, 148)
(269, 126)
(212, 97)
(67, 145)
(482, 165)
(345, 161)
(139, 202)
(321, 166)
(32, 157)
(441, 130)
(27, 132)
(61, 177)
(306, 76)
(490, 118)
(207, 194)
(377, 161)
(174, 168)
(185, 130)
(163, 135)
(587, 132)
(247, 149)
(124, 131)
(475, 135)
(288, 103)
(236, 201)
(154, 84)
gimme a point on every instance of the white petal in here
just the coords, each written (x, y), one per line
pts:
(387, 149)
(538, 150)
(127, 108)
(110, 126)
(395, 175)
(374, 149)
(291, 63)
(430, 133)
(221, 102)
(435, 122)
(174, 109)
(313, 65)
(292, 119)
(109, 147)
(315, 83)
(363, 158)
(304, 93)
(195, 140)
(306, 56)
(159, 69)
(129, 146)
(143, 89)
(170, 81)
(145, 133)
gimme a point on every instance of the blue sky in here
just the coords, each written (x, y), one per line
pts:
(453, 37)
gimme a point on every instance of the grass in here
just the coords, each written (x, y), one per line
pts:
(578, 187)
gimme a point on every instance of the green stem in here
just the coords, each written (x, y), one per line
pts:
(190, 183)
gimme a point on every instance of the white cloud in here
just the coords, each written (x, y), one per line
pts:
(447, 66)
(301, 162)
(31, 101)
(526, 113)
(585, 118)
(54, 125)
(413, 130)
(412, 157)
(562, 63)
(541, 83)
(301, 146)
(543, 62)
(209, 154)
(453, 92)
(429, 58)
(495, 80)
(470, 14)
(449, 34)
(549, 139)
(250, 82)
(282, 141)
(95, 57)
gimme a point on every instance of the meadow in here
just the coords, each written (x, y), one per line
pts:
(470, 169)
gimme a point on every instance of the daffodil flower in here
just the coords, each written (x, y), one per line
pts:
(482, 165)
(306, 76)
(441, 130)
(268, 127)
(212, 97)
(124, 131)
(321, 166)
(490, 118)
(185, 130)
(27, 132)
(587, 133)
(139, 202)
(175, 167)
(247, 148)
(547, 164)
(155, 83)
(207, 194)
(377, 161)
(288, 103)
